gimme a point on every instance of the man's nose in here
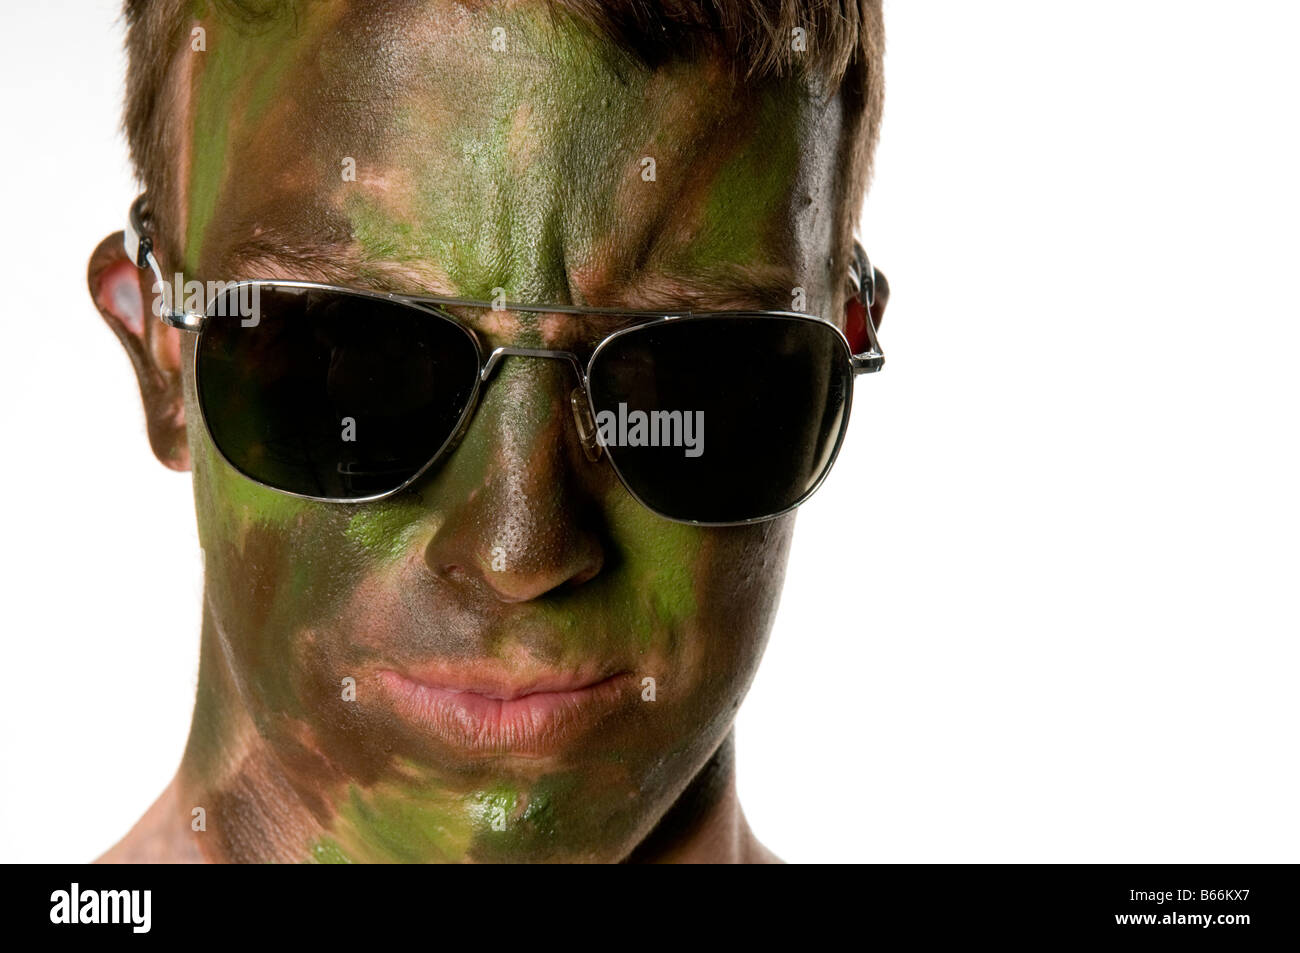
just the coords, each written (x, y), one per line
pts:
(519, 520)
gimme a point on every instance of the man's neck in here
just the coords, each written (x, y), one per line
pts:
(706, 825)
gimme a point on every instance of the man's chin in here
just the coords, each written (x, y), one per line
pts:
(504, 810)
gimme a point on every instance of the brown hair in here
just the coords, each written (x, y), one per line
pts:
(843, 49)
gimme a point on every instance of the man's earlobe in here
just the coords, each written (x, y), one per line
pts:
(123, 294)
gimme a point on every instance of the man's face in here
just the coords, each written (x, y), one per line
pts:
(502, 617)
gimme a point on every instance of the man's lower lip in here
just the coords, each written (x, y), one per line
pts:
(537, 723)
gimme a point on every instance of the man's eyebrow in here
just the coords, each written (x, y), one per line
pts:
(769, 287)
(335, 263)
(258, 260)
(739, 288)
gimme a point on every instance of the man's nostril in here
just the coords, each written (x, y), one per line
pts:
(587, 574)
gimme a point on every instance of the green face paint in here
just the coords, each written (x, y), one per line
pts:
(388, 530)
(477, 169)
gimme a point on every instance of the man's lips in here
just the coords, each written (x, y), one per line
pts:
(484, 711)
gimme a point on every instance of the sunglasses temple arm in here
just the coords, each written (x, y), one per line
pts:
(864, 277)
(139, 248)
(873, 359)
(869, 362)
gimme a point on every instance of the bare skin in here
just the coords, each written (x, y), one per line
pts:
(476, 169)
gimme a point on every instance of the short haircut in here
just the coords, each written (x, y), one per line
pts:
(842, 48)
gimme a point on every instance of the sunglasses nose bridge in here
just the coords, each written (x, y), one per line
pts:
(495, 358)
(578, 401)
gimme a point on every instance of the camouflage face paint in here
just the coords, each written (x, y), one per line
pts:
(479, 169)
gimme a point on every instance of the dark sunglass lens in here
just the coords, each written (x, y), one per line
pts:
(331, 394)
(722, 419)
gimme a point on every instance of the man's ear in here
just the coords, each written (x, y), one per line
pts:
(121, 291)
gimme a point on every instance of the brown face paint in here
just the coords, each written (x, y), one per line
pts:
(479, 169)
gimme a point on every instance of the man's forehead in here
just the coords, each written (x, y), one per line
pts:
(462, 150)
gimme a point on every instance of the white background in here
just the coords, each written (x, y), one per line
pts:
(1045, 607)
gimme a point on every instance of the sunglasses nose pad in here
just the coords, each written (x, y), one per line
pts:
(586, 425)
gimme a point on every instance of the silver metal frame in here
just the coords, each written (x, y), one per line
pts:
(140, 248)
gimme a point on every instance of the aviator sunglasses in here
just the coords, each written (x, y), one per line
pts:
(342, 395)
